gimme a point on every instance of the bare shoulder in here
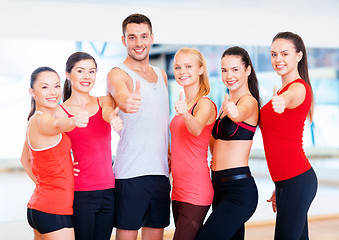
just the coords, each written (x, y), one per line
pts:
(118, 79)
(117, 74)
(206, 105)
(248, 100)
(107, 99)
(297, 88)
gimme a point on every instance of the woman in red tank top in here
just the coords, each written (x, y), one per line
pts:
(91, 146)
(47, 160)
(282, 123)
(191, 129)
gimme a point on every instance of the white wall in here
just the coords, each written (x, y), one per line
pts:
(242, 22)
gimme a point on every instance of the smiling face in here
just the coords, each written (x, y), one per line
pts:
(284, 58)
(233, 72)
(82, 75)
(187, 69)
(138, 40)
(46, 90)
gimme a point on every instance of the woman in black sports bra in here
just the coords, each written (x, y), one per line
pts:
(235, 192)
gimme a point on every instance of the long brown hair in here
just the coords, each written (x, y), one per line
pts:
(204, 88)
(302, 65)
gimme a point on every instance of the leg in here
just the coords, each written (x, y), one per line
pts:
(294, 197)
(37, 235)
(239, 201)
(85, 209)
(126, 234)
(188, 221)
(62, 234)
(152, 233)
(104, 219)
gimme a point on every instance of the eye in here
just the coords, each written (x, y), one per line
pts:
(236, 69)
(93, 71)
(44, 87)
(284, 54)
(80, 71)
(188, 66)
(223, 71)
(145, 36)
(177, 68)
(131, 38)
(273, 54)
(57, 86)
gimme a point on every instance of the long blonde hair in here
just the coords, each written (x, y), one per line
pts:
(204, 88)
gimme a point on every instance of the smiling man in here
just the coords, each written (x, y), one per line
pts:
(141, 166)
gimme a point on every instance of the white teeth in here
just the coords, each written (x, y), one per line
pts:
(85, 83)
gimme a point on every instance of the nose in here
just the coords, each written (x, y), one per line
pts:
(87, 75)
(229, 75)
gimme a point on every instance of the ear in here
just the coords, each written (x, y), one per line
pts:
(31, 92)
(152, 37)
(299, 56)
(201, 70)
(123, 40)
(248, 70)
(67, 75)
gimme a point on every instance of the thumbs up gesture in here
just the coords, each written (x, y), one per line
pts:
(115, 120)
(133, 101)
(278, 102)
(81, 118)
(181, 105)
(229, 108)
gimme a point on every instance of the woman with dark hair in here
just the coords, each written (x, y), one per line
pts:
(191, 128)
(91, 146)
(235, 192)
(282, 123)
(47, 159)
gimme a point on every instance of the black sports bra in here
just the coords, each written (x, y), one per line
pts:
(226, 129)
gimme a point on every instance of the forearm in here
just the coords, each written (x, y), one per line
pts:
(193, 125)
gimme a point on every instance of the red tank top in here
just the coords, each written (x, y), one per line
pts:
(53, 170)
(282, 136)
(91, 147)
(191, 176)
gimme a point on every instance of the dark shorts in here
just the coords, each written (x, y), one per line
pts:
(94, 214)
(142, 202)
(46, 222)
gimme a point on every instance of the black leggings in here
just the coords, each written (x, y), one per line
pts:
(294, 197)
(188, 219)
(235, 200)
(93, 216)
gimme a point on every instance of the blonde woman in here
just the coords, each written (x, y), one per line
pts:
(190, 133)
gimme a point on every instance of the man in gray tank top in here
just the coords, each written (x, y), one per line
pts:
(141, 165)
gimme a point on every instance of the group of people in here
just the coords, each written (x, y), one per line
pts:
(67, 151)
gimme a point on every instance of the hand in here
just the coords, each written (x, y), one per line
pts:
(76, 171)
(278, 102)
(133, 101)
(81, 118)
(115, 120)
(181, 105)
(229, 108)
(274, 202)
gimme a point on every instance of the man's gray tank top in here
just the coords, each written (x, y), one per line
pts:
(143, 145)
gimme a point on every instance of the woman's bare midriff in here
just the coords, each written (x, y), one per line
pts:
(230, 154)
